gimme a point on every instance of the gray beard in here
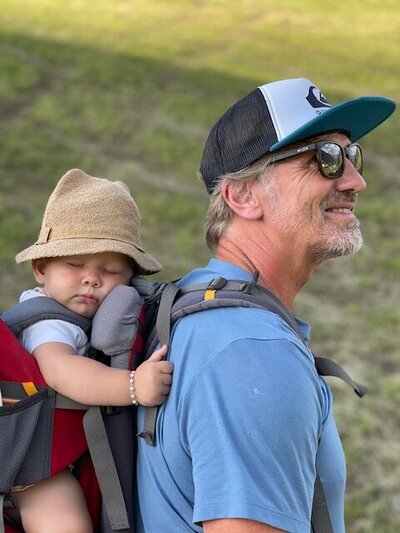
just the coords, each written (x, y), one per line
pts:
(337, 243)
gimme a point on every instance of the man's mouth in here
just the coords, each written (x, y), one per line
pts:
(341, 204)
(344, 210)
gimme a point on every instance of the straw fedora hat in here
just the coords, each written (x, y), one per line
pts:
(87, 215)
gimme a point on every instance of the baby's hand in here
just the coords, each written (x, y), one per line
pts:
(153, 379)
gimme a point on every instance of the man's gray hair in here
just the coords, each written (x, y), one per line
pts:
(219, 213)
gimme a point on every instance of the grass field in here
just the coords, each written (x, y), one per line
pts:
(129, 89)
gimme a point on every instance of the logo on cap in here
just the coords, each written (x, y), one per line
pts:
(316, 99)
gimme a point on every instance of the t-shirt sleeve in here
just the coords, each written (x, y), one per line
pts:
(251, 422)
(54, 331)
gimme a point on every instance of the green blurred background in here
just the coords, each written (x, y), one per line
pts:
(128, 90)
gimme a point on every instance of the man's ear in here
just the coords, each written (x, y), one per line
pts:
(38, 268)
(242, 198)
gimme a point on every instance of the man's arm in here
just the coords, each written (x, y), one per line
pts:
(237, 525)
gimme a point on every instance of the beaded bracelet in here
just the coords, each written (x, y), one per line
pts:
(132, 388)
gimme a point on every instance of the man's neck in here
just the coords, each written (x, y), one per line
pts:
(281, 271)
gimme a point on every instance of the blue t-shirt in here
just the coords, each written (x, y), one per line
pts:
(246, 422)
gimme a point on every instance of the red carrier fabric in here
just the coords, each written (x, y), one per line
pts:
(68, 438)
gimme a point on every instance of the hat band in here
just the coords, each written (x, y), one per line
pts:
(57, 233)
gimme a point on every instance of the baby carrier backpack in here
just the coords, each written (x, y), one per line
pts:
(43, 433)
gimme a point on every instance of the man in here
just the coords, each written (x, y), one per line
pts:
(249, 421)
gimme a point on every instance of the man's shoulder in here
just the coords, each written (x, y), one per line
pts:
(239, 322)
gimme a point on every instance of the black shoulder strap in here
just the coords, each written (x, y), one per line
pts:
(26, 313)
(320, 519)
(328, 367)
(163, 333)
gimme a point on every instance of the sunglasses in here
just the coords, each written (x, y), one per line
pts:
(330, 157)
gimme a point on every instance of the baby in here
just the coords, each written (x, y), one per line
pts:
(88, 244)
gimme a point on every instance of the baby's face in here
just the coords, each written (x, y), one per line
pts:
(81, 282)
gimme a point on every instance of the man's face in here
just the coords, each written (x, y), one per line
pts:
(312, 211)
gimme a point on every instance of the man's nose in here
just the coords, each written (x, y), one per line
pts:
(351, 179)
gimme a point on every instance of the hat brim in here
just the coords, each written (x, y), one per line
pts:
(146, 263)
(357, 117)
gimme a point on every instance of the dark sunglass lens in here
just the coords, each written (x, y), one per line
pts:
(331, 160)
(355, 157)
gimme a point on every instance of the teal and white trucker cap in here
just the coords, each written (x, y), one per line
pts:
(281, 113)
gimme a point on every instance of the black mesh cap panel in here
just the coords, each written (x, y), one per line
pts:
(240, 137)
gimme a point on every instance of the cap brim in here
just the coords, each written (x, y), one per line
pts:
(145, 262)
(357, 117)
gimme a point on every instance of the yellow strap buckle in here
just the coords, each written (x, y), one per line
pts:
(29, 388)
(209, 294)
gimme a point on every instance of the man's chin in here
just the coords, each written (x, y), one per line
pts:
(347, 244)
